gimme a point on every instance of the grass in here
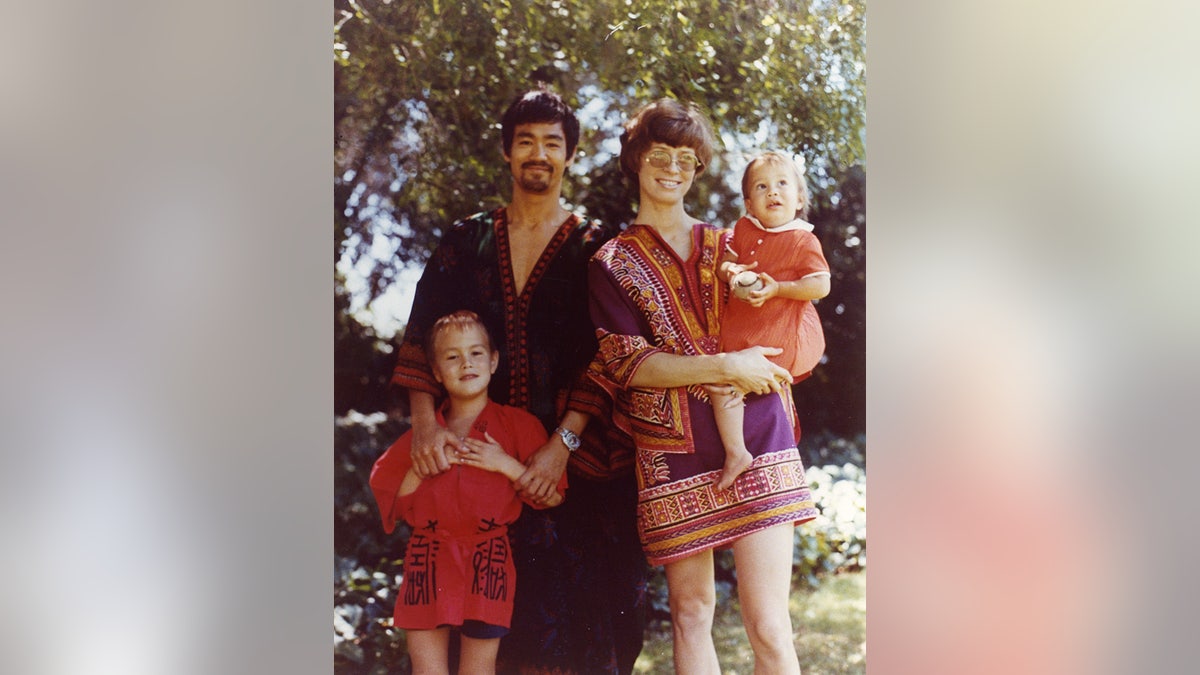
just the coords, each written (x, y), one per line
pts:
(830, 625)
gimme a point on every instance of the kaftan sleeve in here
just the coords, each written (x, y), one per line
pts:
(620, 329)
(587, 397)
(436, 295)
(386, 476)
(584, 395)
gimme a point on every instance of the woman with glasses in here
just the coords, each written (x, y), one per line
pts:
(657, 301)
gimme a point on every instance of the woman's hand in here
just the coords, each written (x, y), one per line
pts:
(750, 371)
(432, 449)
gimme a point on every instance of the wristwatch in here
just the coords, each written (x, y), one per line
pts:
(569, 438)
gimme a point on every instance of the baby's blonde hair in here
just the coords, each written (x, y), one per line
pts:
(779, 158)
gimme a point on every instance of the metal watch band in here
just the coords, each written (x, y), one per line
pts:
(569, 438)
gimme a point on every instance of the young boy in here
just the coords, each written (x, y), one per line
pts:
(458, 571)
(774, 241)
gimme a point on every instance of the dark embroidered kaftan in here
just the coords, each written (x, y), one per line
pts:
(585, 612)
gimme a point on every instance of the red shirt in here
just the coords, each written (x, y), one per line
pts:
(458, 565)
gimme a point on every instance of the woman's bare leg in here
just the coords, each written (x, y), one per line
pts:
(764, 572)
(693, 599)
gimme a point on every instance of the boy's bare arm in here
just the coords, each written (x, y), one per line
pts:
(544, 468)
(489, 456)
(808, 288)
(409, 485)
(730, 268)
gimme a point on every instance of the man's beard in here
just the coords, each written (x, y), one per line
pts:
(536, 184)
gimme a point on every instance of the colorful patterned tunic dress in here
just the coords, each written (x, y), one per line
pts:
(645, 300)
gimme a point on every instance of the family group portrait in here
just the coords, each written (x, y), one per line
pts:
(599, 315)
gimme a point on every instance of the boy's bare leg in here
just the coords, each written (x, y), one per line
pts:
(429, 651)
(729, 411)
(478, 656)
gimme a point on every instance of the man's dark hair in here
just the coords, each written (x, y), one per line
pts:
(538, 106)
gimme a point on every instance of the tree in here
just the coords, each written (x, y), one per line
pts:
(420, 84)
(834, 398)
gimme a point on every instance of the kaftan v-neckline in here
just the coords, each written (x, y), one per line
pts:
(687, 267)
(521, 304)
(508, 270)
(691, 240)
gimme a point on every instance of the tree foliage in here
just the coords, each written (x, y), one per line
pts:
(420, 85)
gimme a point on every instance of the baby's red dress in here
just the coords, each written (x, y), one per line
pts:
(787, 253)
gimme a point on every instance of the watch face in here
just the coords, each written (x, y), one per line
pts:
(569, 438)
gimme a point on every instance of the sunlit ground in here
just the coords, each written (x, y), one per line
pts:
(830, 625)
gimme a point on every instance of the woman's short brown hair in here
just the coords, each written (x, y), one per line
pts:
(665, 121)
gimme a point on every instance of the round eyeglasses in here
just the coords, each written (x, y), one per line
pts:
(661, 159)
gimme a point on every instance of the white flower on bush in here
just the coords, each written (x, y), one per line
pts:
(837, 536)
(357, 419)
(345, 618)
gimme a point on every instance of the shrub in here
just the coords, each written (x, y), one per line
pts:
(836, 540)
(368, 563)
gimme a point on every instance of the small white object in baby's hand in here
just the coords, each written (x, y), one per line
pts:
(745, 283)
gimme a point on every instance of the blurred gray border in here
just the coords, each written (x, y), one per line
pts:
(167, 288)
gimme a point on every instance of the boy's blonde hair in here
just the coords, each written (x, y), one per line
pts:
(779, 158)
(460, 320)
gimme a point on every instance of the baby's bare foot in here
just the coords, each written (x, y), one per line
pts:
(735, 464)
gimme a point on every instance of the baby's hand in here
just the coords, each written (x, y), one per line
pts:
(733, 269)
(724, 395)
(770, 288)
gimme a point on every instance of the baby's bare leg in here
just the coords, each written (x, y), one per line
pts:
(729, 411)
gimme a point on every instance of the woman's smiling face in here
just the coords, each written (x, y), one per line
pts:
(671, 182)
